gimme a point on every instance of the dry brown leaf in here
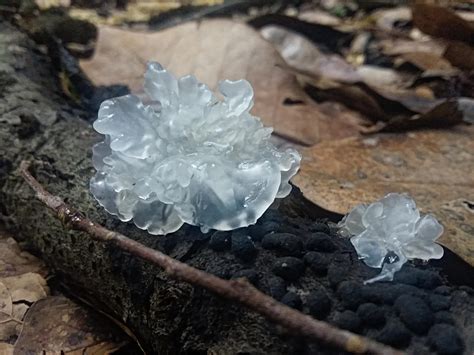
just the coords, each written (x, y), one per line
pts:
(14, 261)
(442, 22)
(352, 96)
(409, 99)
(444, 115)
(212, 50)
(392, 109)
(356, 54)
(22, 284)
(466, 105)
(344, 125)
(435, 167)
(29, 287)
(399, 46)
(439, 21)
(424, 91)
(427, 61)
(16, 294)
(375, 91)
(302, 55)
(460, 54)
(6, 349)
(58, 325)
(386, 19)
(379, 77)
(466, 15)
(137, 11)
(6, 304)
(46, 4)
(320, 17)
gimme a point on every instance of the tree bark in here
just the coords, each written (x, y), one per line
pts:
(40, 124)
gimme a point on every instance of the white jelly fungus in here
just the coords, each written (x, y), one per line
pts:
(391, 231)
(188, 157)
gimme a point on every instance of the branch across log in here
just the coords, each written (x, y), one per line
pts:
(166, 314)
(239, 290)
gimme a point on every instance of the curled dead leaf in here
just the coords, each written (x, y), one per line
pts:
(399, 46)
(304, 56)
(28, 288)
(460, 54)
(58, 325)
(213, 50)
(14, 261)
(386, 19)
(16, 294)
(320, 17)
(21, 283)
(435, 167)
(353, 96)
(22, 288)
(6, 349)
(428, 61)
(440, 21)
(444, 115)
(375, 91)
(6, 304)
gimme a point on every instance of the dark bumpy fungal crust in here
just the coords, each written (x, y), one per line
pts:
(322, 276)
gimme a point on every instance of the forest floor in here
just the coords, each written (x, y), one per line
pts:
(376, 98)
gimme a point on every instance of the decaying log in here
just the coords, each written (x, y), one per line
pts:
(39, 123)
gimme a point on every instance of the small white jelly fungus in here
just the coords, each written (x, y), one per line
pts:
(187, 158)
(391, 231)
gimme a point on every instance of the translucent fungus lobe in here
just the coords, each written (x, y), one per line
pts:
(188, 157)
(391, 231)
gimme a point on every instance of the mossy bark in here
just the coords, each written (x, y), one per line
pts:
(39, 123)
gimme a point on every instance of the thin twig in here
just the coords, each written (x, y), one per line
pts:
(238, 290)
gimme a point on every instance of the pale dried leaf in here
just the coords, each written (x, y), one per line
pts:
(29, 287)
(466, 105)
(46, 4)
(58, 325)
(444, 115)
(137, 11)
(428, 61)
(6, 349)
(386, 19)
(460, 55)
(212, 50)
(20, 285)
(10, 326)
(440, 21)
(434, 167)
(466, 15)
(302, 55)
(347, 121)
(398, 46)
(320, 17)
(353, 96)
(6, 304)
(378, 76)
(14, 261)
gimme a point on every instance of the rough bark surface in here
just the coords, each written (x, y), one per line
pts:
(38, 123)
